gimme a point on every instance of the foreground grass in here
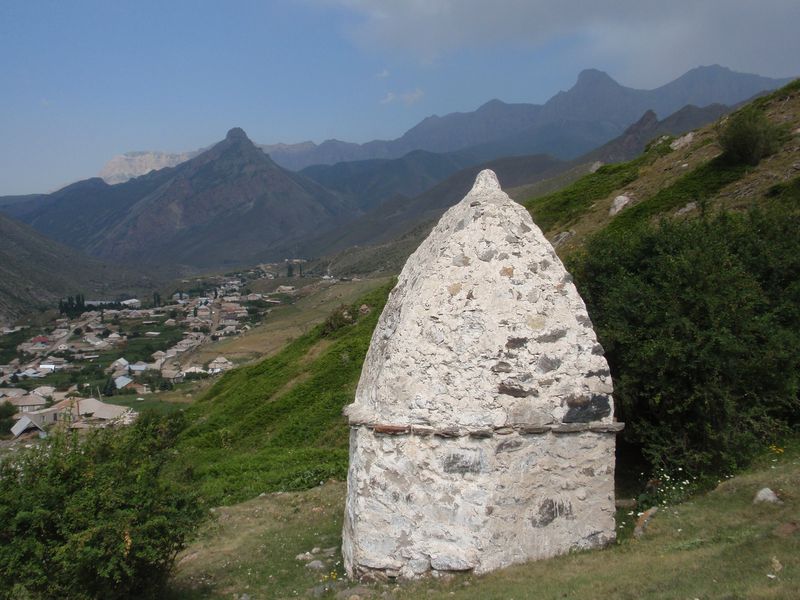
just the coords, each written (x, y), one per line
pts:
(717, 545)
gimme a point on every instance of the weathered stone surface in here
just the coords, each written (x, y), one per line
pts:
(766, 496)
(682, 142)
(619, 203)
(482, 431)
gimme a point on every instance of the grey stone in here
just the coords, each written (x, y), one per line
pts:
(767, 496)
(597, 407)
(560, 238)
(619, 203)
(316, 565)
(682, 142)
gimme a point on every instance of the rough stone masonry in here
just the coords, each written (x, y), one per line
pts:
(482, 430)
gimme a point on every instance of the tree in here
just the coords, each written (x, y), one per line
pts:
(109, 388)
(7, 411)
(748, 136)
(701, 328)
(289, 269)
(95, 517)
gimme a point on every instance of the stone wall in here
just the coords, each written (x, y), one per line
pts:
(482, 428)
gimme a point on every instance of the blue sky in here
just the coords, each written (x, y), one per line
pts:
(81, 81)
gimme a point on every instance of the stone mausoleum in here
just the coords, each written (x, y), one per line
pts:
(482, 431)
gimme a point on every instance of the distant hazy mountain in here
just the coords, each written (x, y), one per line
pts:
(399, 215)
(133, 164)
(595, 110)
(383, 238)
(228, 205)
(35, 271)
(372, 182)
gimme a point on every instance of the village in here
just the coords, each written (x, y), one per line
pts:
(123, 351)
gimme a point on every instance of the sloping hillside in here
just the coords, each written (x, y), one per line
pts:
(672, 178)
(35, 271)
(278, 425)
(229, 205)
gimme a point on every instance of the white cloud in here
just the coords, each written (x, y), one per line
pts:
(408, 98)
(382, 74)
(411, 97)
(638, 36)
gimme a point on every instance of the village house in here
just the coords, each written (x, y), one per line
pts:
(44, 391)
(132, 303)
(95, 342)
(25, 424)
(219, 365)
(31, 373)
(172, 375)
(139, 367)
(118, 364)
(195, 370)
(122, 382)
(53, 364)
(90, 411)
(27, 403)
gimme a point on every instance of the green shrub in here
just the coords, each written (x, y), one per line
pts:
(700, 321)
(7, 411)
(748, 136)
(94, 518)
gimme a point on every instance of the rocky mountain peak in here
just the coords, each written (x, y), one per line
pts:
(237, 133)
(594, 78)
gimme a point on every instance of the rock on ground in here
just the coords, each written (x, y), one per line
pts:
(767, 496)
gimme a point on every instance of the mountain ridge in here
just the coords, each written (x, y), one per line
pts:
(227, 205)
(495, 120)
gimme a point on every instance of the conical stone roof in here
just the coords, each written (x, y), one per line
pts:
(484, 329)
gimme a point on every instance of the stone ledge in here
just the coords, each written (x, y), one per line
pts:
(487, 432)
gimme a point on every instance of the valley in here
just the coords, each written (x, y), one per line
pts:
(215, 307)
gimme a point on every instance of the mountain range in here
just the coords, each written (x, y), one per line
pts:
(383, 238)
(595, 110)
(233, 205)
(228, 205)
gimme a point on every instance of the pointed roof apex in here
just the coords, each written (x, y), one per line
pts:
(486, 181)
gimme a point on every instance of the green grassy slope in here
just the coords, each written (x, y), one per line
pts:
(278, 425)
(717, 545)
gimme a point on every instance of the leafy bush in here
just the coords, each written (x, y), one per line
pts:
(94, 518)
(701, 325)
(748, 136)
